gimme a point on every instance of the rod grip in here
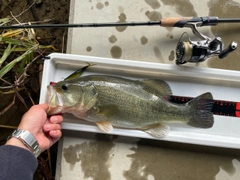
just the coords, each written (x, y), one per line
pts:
(172, 22)
(182, 21)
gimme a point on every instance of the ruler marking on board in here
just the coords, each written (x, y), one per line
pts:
(220, 107)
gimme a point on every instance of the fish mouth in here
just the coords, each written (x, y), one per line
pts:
(54, 100)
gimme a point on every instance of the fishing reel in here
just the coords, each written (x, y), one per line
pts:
(198, 51)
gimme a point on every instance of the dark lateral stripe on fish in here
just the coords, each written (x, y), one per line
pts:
(222, 108)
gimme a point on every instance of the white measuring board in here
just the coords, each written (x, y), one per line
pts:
(184, 81)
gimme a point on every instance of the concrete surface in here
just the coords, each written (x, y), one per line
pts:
(95, 156)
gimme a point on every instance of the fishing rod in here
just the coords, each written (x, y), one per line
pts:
(186, 51)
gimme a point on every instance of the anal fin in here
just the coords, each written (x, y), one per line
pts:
(158, 130)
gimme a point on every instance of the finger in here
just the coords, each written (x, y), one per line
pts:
(55, 134)
(50, 127)
(44, 106)
(57, 119)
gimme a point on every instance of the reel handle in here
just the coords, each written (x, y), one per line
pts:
(231, 47)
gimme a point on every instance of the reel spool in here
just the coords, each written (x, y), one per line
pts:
(186, 52)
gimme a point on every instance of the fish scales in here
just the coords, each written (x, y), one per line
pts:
(133, 104)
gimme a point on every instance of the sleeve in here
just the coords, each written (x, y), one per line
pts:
(17, 163)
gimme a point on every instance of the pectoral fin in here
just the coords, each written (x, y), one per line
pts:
(158, 130)
(105, 126)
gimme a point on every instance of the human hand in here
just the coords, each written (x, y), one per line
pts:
(47, 130)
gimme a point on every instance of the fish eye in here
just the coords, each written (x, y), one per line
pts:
(64, 87)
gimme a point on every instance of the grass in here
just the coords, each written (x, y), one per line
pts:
(19, 50)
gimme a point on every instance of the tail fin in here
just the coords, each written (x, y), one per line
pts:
(201, 107)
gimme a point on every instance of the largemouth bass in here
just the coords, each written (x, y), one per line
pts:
(136, 104)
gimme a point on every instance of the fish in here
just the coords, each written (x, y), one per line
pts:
(112, 101)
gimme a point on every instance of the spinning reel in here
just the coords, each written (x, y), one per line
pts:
(198, 51)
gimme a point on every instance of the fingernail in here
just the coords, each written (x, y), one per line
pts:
(47, 126)
(54, 119)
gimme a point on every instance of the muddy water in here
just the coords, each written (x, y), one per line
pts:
(95, 157)
(99, 5)
(116, 52)
(89, 49)
(153, 3)
(120, 9)
(122, 18)
(148, 159)
(144, 40)
(158, 53)
(153, 15)
(106, 3)
(112, 39)
(171, 56)
(168, 164)
(228, 32)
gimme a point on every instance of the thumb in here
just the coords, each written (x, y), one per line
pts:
(44, 106)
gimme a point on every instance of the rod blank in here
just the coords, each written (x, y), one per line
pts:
(149, 23)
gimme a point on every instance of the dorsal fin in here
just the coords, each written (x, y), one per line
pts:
(157, 86)
(78, 72)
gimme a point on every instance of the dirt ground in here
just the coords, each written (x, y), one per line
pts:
(57, 11)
